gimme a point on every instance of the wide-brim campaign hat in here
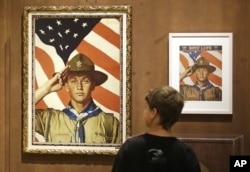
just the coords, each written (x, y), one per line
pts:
(203, 62)
(82, 63)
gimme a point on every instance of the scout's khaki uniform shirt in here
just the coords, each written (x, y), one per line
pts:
(57, 127)
(210, 94)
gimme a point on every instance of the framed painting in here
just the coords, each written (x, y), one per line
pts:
(200, 67)
(76, 79)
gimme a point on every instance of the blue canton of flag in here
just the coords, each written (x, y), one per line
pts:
(193, 54)
(64, 34)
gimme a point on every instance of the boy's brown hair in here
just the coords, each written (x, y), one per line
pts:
(168, 102)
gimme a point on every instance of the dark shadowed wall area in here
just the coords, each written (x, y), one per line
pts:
(213, 137)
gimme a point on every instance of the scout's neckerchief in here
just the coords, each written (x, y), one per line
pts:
(90, 111)
(202, 89)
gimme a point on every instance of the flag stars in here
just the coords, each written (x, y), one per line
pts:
(67, 31)
(61, 47)
(58, 22)
(84, 24)
(76, 20)
(64, 33)
(42, 32)
(51, 40)
(59, 34)
(50, 27)
(75, 35)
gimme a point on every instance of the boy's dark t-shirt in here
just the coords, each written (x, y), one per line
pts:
(150, 153)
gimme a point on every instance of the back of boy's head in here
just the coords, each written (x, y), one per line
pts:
(168, 102)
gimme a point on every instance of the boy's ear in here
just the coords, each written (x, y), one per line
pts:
(154, 112)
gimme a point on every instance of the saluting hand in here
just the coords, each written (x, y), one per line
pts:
(186, 73)
(52, 85)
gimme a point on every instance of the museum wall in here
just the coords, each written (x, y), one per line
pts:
(152, 21)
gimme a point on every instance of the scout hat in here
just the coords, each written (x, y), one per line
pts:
(81, 63)
(203, 62)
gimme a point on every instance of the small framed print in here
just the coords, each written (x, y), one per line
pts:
(200, 67)
(76, 79)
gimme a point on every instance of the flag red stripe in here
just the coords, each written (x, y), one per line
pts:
(107, 34)
(45, 61)
(100, 59)
(64, 96)
(47, 64)
(107, 98)
(215, 79)
(184, 61)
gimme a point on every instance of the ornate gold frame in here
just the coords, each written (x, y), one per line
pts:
(124, 13)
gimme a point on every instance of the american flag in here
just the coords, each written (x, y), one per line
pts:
(188, 56)
(58, 39)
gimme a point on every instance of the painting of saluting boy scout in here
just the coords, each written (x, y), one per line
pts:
(77, 76)
(200, 73)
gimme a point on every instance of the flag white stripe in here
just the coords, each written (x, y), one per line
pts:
(103, 45)
(216, 54)
(112, 82)
(51, 51)
(113, 24)
(40, 75)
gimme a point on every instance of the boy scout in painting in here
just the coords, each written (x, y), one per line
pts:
(202, 90)
(81, 121)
